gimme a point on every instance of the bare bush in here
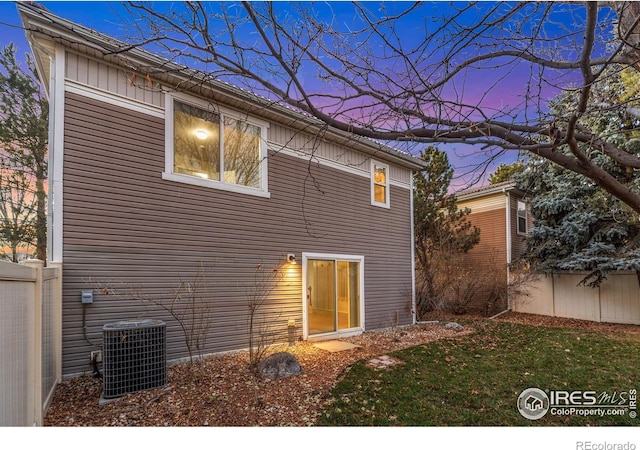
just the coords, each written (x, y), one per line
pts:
(445, 286)
(190, 305)
(262, 325)
(457, 286)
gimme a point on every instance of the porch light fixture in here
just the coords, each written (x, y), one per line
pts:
(201, 134)
(291, 258)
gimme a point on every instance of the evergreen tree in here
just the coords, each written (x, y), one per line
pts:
(441, 229)
(506, 172)
(23, 149)
(578, 226)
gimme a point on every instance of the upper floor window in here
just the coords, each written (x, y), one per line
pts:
(379, 184)
(522, 217)
(214, 148)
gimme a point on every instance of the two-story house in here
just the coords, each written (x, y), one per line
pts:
(500, 212)
(158, 171)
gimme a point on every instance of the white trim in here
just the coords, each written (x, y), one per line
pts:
(413, 260)
(196, 181)
(526, 224)
(387, 187)
(113, 99)
(56, 156)
(508, 216)
(206, 104)
(481, 192)
(170, 175)
(305, 309)
(314, 159)
(334, 335)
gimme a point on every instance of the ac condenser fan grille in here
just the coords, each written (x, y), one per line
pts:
(134, 357)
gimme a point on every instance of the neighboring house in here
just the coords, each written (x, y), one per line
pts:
(155, 171)
(500, 212)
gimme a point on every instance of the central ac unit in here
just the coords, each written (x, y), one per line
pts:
(134, 356)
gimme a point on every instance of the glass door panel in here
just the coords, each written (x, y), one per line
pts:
(348, 295)
(321, 296)
(333, 295)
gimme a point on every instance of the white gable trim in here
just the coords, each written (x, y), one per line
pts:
(56, 156)
(113, 99)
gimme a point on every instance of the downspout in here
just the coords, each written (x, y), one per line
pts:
(413, 258)
(56, 150)
(509, 243)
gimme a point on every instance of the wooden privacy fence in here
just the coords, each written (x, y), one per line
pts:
(30, 340)
(617, 300)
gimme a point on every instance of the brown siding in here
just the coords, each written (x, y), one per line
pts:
(518, 241)
(491, 250)
(128, 231)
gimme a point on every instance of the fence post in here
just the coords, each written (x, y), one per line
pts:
(57, 319)
(37, 340)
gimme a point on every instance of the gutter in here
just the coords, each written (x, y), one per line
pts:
(43, 21)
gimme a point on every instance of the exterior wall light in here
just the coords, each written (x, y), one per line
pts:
(291, 258)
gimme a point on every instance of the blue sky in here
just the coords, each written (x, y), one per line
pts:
(104, 17)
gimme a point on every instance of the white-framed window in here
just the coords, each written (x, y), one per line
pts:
(214, 147)
(380, 184)
(522, 217)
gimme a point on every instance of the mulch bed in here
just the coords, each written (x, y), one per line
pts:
(220, 391)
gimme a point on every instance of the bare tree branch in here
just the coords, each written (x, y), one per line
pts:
(422, 72)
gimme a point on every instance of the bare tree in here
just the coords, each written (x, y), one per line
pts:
(421, 72)
(17, 214)
(24, 125)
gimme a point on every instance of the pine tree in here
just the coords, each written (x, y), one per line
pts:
(578, 226)
(441, 229)
(506, 172)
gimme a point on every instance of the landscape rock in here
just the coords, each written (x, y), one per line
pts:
(279, 365)
(454, 326)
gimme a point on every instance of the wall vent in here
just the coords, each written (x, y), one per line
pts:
(134, 356)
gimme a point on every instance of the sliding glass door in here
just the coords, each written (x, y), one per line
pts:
(333, 294)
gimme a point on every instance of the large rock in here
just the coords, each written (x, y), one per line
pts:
(453, 326)
(279, 365)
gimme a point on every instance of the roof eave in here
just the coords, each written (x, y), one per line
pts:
(48, 23)
(502, 188)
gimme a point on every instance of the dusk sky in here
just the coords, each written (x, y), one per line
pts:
(104, 17)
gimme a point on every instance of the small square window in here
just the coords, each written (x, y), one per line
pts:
(379, 184)
(522, 217)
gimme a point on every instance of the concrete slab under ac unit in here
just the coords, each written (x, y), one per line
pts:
(335, 346)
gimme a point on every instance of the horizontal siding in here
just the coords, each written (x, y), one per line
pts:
(134, 237)
(319, 149)
(115, 80)
(490, 251)
(483, 204)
